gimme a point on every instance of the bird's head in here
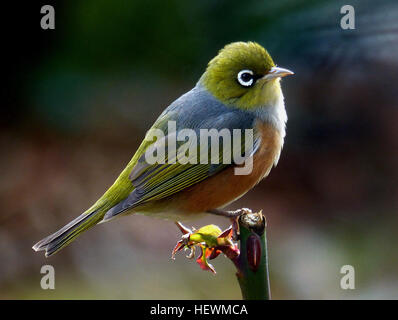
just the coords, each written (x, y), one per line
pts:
(244, 75)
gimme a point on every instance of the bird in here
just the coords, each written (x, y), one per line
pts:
(239, 90)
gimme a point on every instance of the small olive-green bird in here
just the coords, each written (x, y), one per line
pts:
(240, 89)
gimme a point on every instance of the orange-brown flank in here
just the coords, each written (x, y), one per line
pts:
(224, 187)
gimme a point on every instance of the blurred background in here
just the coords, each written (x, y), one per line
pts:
(77, 101)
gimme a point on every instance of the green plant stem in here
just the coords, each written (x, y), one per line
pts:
(252, 264)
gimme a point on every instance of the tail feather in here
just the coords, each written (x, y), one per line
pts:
(68, 233)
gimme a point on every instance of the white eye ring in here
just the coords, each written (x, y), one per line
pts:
(241, 78)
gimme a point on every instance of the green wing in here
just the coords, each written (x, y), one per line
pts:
(159, 180)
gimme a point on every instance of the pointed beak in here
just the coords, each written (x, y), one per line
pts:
(277, 72)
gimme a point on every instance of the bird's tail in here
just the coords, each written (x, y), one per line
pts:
(60, 239)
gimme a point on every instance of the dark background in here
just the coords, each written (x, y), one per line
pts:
(77, 101)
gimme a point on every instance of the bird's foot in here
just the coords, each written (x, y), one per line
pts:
(233, 215)
(230, 214)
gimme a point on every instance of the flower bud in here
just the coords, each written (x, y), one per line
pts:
(253, 251)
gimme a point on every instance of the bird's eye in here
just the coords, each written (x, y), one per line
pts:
(246, 78)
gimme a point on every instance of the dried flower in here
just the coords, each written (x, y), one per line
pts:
(210, 240)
